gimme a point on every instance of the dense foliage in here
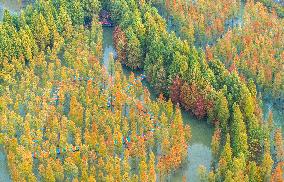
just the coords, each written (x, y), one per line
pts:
(65, 117)
(256, 50)
(203, 86)
(201, 23)
(248, 39)
(274, 5)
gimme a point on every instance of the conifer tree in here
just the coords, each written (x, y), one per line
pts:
(239, 133)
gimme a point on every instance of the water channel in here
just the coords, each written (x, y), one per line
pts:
(173, 25)
(199, 151)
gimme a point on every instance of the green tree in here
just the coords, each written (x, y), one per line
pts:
(91, 7)
(225, 162)
(40, 31)
(227, 151)
(64, 23)
(267, 162)
(76, 12)
(279, 147)
(202, 174)
(179, 65)
(239, 168)
(222, 111)
(152, 172)
(253, 172)
(239, 135)
(70, 169)
(215, 143)
(134, 54)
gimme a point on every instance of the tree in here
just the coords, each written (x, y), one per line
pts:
(143, 171)
(152, 172)
(157, 73)
(111, 68)
(279, 146)
(95, 38)
(179, 65)
(239, 135)
(175, 90)
(40, 31)
(267, 162)
(215, 143)
(70, 169)
(91, 7)
(120, 43)
(222, 111)
(177, 120)
(49, 173)
(76, 111)
(229, 176)
(277, 176)
(202, 174)
(64, 23)
(225, 162)
(134, 54)
(76, 12)
(7, 17)
(239, 167)
(27, 44)
(253, 172)
(58, 170)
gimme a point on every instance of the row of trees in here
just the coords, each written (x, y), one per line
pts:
(201, 23)
(276, 6)
(253, 49)
(206, 88)
(45, 108)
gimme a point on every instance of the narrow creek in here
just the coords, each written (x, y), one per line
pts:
(199, 151)
(267, 104)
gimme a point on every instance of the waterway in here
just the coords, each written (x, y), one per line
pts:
(199, 151)
(173, 25)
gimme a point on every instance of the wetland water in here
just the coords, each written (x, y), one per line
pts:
(199, 150)
(13, 6)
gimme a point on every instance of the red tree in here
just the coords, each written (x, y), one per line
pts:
(175, 90)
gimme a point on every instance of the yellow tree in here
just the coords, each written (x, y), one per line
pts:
(152, 172)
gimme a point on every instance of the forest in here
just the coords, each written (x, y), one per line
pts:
(70, 111)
